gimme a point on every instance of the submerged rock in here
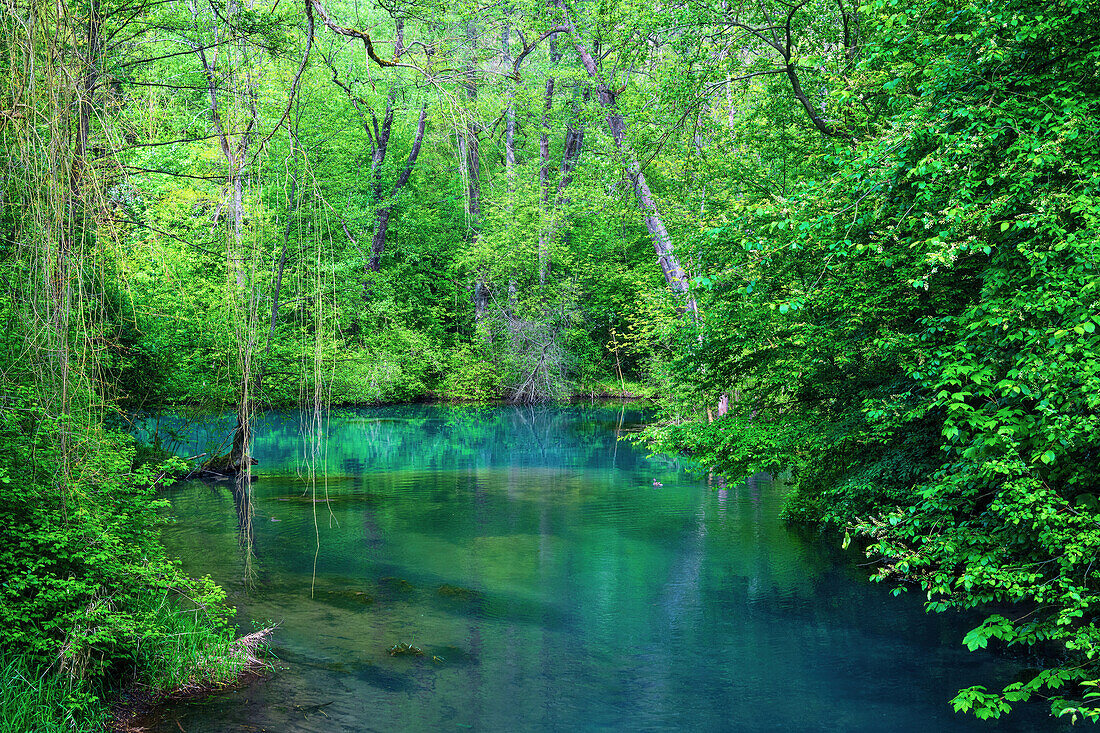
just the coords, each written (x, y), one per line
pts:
(458, 593)
(453, 655)
(396, 584)
(345, 598)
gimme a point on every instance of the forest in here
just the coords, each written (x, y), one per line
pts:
(856, 244)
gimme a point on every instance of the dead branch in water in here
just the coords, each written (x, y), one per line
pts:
(139, 710)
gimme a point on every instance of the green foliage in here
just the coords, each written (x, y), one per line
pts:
(888, 214)
(44, 701)
(471, 375)
(913, 332)
(398, 365)
(89, 600)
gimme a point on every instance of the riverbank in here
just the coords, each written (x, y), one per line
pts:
(92, 604)
(204, 662)
(137, 709)
(630, 391)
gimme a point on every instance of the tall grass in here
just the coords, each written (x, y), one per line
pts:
(193, 650)
(44, 701)
(189, 651)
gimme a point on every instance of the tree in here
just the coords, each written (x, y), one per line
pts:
(901, 333)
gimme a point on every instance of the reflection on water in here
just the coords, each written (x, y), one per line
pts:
(551, 585)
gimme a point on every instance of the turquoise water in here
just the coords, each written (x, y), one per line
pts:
(552, 586)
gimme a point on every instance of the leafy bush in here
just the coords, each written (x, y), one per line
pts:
(471, 374)
(396, 365)
(90, 600)
(916, 334)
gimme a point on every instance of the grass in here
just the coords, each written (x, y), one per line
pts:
(189, 652)
(44, 701)
(193, 651)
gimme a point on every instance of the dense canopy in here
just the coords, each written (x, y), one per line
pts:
(854, 244)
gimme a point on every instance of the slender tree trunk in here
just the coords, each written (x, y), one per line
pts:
(471, 158)
(382, 215)
(246, 332)
(73, 222)
(282, 257)
(544, 167)
(295, 202)
(675, 276)
(240, 294)
(378, 239)
(380, 142)
(574, 141)
(509, 115)
(379, 136)
(571, 153)
(674, 273)
(509, 150)
(88, 83)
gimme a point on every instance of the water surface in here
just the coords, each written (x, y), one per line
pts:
(556, 579)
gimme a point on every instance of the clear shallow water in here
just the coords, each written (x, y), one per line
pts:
(560, 589)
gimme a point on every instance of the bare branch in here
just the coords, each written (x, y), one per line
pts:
(297, 77)
(534, 44)
(361, 35)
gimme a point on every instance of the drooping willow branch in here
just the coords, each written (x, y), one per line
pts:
(297, 77)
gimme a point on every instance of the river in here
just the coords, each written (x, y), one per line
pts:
(556, 579)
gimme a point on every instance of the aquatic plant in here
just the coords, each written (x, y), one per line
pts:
(401, 649)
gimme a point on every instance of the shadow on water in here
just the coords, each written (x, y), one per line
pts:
(551, 577)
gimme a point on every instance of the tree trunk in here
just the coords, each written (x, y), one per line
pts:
(240, 292)
(281, 267)
(675, 276)
(574, 141)
(509, 116)
(382, 215)
(544, 167)
(378, 241)
(379, 135)
(295, 203)
(471, 158)
(509, 149)
(88, 84)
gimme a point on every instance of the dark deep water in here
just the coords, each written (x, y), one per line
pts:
(557, 587)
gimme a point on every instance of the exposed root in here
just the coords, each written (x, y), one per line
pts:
(220, 468)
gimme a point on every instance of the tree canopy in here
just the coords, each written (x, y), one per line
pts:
(855, 243)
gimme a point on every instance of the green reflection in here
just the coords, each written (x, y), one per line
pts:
(551, 585)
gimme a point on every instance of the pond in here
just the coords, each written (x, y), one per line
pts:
(556, 578)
